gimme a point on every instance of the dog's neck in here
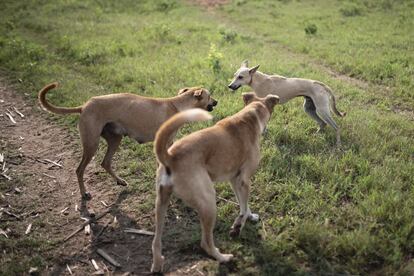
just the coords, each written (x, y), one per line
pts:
(178, 104)
(256, 80)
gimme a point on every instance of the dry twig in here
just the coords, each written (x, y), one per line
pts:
(18, 112)
(10, 117)
(139, 232)
(68, 268)
(29, 227)
(95, 265)
(53, 162)
(104, 255)
(85, 223)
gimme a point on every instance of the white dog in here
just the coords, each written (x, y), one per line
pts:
(317, 94)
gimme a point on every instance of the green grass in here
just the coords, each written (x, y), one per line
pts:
(322, 211)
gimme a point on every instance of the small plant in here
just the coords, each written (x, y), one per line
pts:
(351, 10)
(166, 5)
(228, 35)
(311, 29)
(214, 59)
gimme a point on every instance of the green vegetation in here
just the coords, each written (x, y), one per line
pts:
(322, 211)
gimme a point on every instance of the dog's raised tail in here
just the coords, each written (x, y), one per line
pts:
(170, 127)
(52, 108)
(333, 102)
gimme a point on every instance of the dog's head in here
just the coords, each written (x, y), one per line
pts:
(243, 76)
(201, 97)
(269, 101)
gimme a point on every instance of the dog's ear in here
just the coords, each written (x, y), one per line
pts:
(245, 63)
(253, 69)
(271, 101)
(198, 93)
(183, 90)
(248, 97)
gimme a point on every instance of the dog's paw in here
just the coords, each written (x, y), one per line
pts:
(122, 182)
(224, 258)
(87, 196)
(158, 266)
(254, 217)
(235, 231)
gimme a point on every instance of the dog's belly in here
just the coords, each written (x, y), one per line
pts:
(119, 129)
(222, 177)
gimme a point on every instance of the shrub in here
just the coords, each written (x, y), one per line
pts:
(228, 35)
(311, 29)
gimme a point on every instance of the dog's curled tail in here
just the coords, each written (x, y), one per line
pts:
(333, 102)
(52, 108)
(170, 127)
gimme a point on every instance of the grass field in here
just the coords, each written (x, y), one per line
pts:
(322, 211)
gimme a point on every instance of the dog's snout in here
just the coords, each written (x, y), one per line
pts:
(229, 86)
(215, 103)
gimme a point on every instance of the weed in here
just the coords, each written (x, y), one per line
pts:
(228, 36)
(351, 10)
(311, 29)
(214, 59)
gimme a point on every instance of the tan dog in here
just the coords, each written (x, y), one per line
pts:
(116, 115)
(317, 94)
(229, 150)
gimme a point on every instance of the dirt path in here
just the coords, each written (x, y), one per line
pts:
(45, 195)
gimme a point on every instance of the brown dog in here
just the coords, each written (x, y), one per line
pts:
(116, 115)
(229, 150)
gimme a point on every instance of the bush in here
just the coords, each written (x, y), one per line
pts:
(228, 35)
(311, 29)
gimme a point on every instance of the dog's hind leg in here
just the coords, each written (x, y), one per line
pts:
(163, 196)
(199, 193)
(207, 212)
(113, 140)
(310, 109)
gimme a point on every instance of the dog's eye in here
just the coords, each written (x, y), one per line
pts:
(240, 77)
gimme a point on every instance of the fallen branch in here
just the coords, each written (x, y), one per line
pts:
(86, 223)
(139, 232)
(10, 117)
(68, 268)
(53, 162)
(95, 265)
(29, 227)
(48, 175)
(1, 157)
(11, 214)
(38, 160)
(2, 232)
(226, 200)
(18, 112)
(104, 255)
(6, 176)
